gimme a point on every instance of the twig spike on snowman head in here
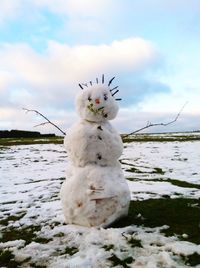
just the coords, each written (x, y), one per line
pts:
(102, 78)
(82, 85)
(109, 83)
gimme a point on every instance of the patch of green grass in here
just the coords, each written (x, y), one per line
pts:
(26, 141)
(7, 259)
(33, 265)
(108, 247)
(133, 179)
(192, 260)
(179, 183)
(158, 170)
(117, 261)
(184, 184)
(8, 203)
(134, 138)
(179, 159)
(179, 214)
(28, 234)
(133, 169)
(134, 242)
(42, 240)
(70, 250)
(12, 218)
(160, 138)
(61, 234)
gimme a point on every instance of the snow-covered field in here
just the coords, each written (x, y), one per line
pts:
(33, 232)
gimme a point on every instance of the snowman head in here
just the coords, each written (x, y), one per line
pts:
(96, 102)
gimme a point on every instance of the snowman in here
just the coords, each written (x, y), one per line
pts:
(95, 192)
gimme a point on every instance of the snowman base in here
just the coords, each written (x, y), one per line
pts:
(95, 196)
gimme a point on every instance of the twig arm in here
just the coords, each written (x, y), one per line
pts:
(157, 124)
(48, 121)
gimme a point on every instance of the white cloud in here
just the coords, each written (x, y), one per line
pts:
(179, 5)
(76, 7)
(17, 118)
(130, 119)
(77, 16)
(89, 16)
(49, 81)
(90, 7)
(5, 80)
(54, 75)
(12, 118)
(59, 6)
(9, 10)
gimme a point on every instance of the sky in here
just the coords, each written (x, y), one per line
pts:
(47, 47)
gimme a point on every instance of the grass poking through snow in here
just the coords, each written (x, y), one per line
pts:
(181, 215)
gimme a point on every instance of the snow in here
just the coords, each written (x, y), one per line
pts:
(91, 142)
(157, 164)
(31, 178)
(89, 198)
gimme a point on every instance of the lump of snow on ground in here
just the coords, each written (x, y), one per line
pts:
(72, 246)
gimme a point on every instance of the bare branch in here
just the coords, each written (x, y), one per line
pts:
(149, 124)
(48, 121)
(42, 124)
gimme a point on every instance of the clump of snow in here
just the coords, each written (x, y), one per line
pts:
(13, 244)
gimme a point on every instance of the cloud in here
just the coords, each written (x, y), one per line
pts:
(75, 14)
(178, 5)
(9, 10)
(76, 7)
(89, 17)
(4, 81)
(52, 77)
(12, 118)
(99, 17)
(129, 120)
(49, 81)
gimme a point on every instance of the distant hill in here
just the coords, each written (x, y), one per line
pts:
(23, 134)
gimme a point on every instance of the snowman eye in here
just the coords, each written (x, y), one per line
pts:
(89, 98)
(105, 96)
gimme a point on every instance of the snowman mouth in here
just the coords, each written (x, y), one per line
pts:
(96, 111)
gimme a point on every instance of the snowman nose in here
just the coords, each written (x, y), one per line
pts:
(97, 101)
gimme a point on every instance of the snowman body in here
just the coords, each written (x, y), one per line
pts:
(95, 192)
